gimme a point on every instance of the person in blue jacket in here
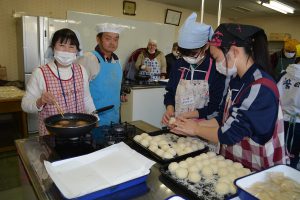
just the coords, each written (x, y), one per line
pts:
(195, 89)
(250, 128)
(105, 72)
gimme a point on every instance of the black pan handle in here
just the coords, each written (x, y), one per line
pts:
(103, 109)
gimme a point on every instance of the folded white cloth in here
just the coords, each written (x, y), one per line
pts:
(108, 167)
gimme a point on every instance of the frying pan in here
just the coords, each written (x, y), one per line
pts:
(72, 132)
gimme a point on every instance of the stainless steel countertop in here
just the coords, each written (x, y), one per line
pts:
(33, 153)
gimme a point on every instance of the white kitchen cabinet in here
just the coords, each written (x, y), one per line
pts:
(144, 103)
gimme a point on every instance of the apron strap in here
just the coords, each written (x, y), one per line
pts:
(209, 69)
(263, 81)
(182, 69)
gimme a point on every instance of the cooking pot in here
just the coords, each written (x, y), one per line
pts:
(140, 77)
(73, 131)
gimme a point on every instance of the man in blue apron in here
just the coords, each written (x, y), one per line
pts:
(105, 72)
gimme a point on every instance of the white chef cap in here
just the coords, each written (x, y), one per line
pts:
(193, 35)
(49, 51)
(110, 27)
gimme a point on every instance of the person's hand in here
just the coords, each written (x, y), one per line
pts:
(148, 69)
(188, 115)
(124, 98)
(46, 98)
(185, 127)
(167, 115)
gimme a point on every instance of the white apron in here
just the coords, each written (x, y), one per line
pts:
(155, 69)
(192, 94)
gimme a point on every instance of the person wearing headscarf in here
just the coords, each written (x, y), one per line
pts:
(151, 62)
(105, 71)
(171, 58)
(60, 81)
(250, 128)
(289, 90)
(195, 89)
(281, 59)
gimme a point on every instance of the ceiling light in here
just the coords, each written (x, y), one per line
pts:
(278, 6)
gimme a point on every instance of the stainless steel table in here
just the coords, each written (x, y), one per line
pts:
(32, 154)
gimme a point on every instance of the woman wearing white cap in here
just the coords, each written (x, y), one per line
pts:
(152, 62)
(60, 81)
(105, 71)
(195, 89)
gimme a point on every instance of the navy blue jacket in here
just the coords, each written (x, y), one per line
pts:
(216, 84)
(256, 113)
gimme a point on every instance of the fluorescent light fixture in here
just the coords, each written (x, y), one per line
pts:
(278, 6)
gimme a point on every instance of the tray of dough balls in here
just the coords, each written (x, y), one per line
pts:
(206, 176)
(166, 147)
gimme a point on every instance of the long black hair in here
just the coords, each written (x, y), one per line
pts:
(63, 36)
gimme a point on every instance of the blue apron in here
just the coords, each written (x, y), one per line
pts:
(105, 90)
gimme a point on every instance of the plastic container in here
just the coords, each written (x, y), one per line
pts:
(126, 186)
(245, 182)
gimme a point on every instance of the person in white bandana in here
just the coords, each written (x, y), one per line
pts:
(152, 62)
(59, 81)
(195, 88)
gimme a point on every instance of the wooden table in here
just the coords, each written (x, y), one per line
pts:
(10, 102)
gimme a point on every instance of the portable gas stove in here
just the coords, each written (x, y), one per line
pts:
(98, 138)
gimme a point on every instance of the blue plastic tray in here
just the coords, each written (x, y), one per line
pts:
(117, 188)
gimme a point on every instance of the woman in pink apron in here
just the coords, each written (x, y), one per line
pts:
(250, 130)
(195, 89)
(60, 81)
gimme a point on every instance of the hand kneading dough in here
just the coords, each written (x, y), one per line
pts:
(181, 173)
(222, 188)
(194, 177)
(173, 166)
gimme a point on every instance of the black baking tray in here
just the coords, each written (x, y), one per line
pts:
(180, 188)
(146, 151)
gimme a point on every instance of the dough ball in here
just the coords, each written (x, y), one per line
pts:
(144, 135)
(213, 160)
(199, 165)
(204, 156)
(172, 151)
(221, 164)
(214, 168)
(237, 165)
(153, 148)
(222, 171)
(162, 142)
(198, 158)
(181, 173)
(172, 120)
(159, 152)
(181, 145)
(173, 166)
(145, 143)
(205, 162)
(222, 188)
(194, 147)
(219, 157)
(167, 155)
(200, 146)
(225, 179)
(232, 188)
(183, 164)
(137, 138)
(181, 140)
(193, 168)
(194, 177)
(165, 147)
(190, 160)
(228, 162)
(189, 139)
(180, 153)
(211, 154)
(207, 172)
(242, 172)
(156, 138)
(188, 149)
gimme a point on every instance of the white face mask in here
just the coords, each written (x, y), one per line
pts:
(192, 60)
(64, 58)
(226, 71)
(289, 55)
